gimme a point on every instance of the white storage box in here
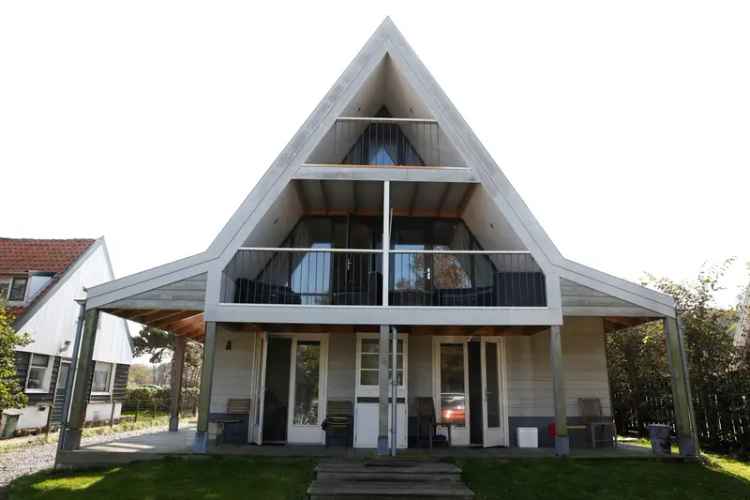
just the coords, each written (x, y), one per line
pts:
(528, 437)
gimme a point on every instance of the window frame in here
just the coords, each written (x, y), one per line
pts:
(362, 390)
(45, 378)
(12, 284)
(110, 382)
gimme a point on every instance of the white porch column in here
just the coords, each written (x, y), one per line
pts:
(200, 445)
(383, 390)
(175, 396)
(683, 408)
(562, 441)
(84, 372)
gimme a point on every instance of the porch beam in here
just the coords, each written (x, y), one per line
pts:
(84, 372)
(683, 408)
(562, 441)
(383, 390)
(175, 394)
(200, 444)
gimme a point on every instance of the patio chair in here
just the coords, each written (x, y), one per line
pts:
(232, 428)
(594, 421)
(338, 424)
(427, 425)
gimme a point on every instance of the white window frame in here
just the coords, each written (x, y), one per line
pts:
(112, 368)
(11, 281)
(45, 378)
(374, 390)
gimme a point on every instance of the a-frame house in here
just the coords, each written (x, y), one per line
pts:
(385, 222)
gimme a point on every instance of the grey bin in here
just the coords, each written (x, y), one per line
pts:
(661, 443)
(9, 423)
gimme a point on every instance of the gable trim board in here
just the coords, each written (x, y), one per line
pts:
(387, 41)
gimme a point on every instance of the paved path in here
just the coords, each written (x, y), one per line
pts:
(24, 461)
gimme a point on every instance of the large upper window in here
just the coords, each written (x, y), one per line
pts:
(36, 377)
(386, 143)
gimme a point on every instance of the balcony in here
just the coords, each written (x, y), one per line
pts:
(354, 277)
(385, 141)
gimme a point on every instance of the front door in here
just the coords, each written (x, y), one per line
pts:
(276, 396)
(451, 388)
(494, 430)
(307, 389)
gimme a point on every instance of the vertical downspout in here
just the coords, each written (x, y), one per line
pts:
(71, 378)
(394, 390)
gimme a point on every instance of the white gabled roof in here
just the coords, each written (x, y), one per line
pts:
(387, 41)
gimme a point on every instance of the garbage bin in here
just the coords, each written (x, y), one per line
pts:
(660, 439)
(9, 422)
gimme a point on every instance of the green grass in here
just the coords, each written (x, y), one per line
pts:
(206, 478)
(605, 479)
(209, 478)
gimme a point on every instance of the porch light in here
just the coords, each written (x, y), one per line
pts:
(229, 345)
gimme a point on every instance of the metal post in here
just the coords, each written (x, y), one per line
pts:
(394, 390)
(383, 391)
(684, 418)
(200, 444)
(71, 375)
(562, 442)
(82, 383)
(386, 239)
(175, 396)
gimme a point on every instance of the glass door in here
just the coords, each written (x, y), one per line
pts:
(493, 394)
(450, 361)
(307, 389)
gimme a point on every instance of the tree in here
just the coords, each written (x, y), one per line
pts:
(159, 343)
(11, 392)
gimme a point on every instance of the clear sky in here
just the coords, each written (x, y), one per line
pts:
(625, 126)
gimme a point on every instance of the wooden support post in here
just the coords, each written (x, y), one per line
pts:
(175, 394)
(562, 441)
(683, 408)
(383, 390)
(200, 444)
(82, 385)
(386, 240)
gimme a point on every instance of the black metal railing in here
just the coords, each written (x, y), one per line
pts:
(385, 141)
(465, 279)
(312, 276)
(325, 276)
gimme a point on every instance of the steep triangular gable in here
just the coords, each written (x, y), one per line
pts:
(387, 45)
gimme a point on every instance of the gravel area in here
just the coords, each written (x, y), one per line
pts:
(24, 461)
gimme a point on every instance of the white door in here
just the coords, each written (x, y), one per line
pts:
(307, 389)
(451, 387)
(367, 391)
(259, 374)
(493, 394)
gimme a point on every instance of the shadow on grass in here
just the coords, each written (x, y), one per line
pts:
(205, 478)
(579, 479)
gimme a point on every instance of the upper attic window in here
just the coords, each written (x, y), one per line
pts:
(388, 141)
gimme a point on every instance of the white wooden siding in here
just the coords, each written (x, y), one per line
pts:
(232, 369)
(341, 366)
(530, 377)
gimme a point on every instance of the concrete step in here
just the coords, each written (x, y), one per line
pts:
(387, 476)
(388, 470)
(388, 490)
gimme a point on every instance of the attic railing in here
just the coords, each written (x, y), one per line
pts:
(382, 141)
(348, 276)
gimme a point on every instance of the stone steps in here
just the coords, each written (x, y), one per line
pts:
(388, 479)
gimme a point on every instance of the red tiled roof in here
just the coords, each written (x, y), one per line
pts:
(18, 256)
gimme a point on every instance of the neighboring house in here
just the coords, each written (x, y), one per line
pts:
(40, 279)
(385, 213)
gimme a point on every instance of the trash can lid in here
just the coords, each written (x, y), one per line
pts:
(12, 412)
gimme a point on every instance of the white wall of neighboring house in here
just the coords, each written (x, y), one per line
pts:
(54, 322)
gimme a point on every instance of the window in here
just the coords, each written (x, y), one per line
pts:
(368, 367)
(17, 289)
(4, 287)
(306, 383)
(36, 378)
(102, 377)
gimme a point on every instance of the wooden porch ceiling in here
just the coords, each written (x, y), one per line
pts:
(184, 323)
(615, 323)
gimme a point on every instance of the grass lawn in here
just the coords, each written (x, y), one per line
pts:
(269, 479)
(606, 479)
(198, 478)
